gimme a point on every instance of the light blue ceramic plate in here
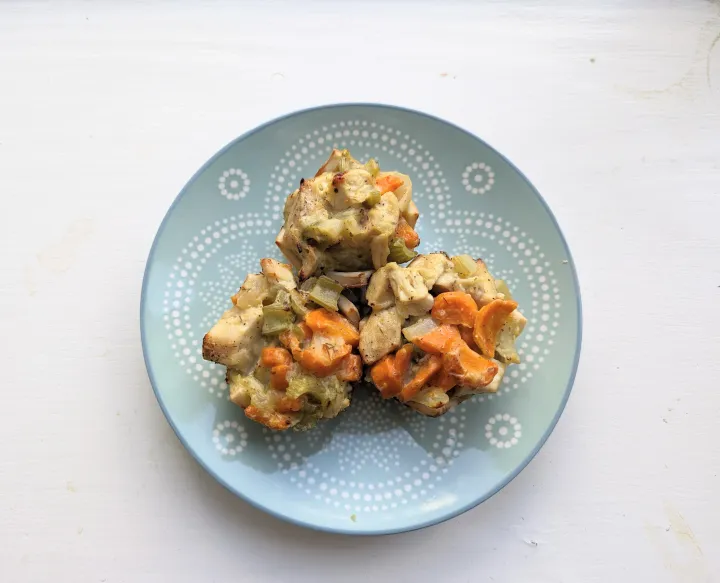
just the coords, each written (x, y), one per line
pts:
(377, 468)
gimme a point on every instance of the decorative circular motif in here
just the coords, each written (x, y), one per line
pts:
(234, 184)
(503, 431)
(478, 178)
(230, 438)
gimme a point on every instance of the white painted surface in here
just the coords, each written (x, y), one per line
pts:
(611, 108)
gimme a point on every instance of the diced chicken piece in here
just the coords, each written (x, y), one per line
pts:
(384, 217)
(445, 282)
(379, 250)
(302, 209)
(411, 293)
(253, 291)
(431, 267)
(310, 263)
(379, 295)
(412, 214)
(380, 335)
(481, 285)
(236, 339)
(505, 342)
(430, 401)
(351, 188)
(278, 273)
(288, 249)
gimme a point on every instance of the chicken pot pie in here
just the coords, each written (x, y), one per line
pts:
(349, 217)
(289, 350)
(441, 330)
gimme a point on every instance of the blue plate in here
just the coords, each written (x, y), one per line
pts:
(379, 467)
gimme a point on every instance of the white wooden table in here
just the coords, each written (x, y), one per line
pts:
(611, 108)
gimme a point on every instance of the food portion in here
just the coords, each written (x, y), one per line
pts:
(430, 334)
(441, 330)
(349, 217)
(289, 350)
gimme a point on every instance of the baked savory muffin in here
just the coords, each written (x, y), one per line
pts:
(349, 217)
(441, 330)
(289, 352)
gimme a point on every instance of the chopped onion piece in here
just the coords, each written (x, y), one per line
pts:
(419, 329)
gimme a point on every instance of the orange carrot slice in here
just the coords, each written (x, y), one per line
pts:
(323, 358)
(273, 356)
(329, 323)
(405, 232)
(389, 374)
(467, 335)
(385, 377)
(468, 367)
(431, 364)
(402, 360)
(350, 369)
(388, 183)
(443, 380)
(439, 340)
(488, 322)
(455, 307)
(272, 420)
(278, 376)
(290, 340)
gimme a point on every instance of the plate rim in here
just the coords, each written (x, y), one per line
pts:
(314, 525)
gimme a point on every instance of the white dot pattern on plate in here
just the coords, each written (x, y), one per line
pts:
(234, 184)
(230, 438)
(503, 430)
(387, 438)
(186, 302)
(393, 149)
(478, 178)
